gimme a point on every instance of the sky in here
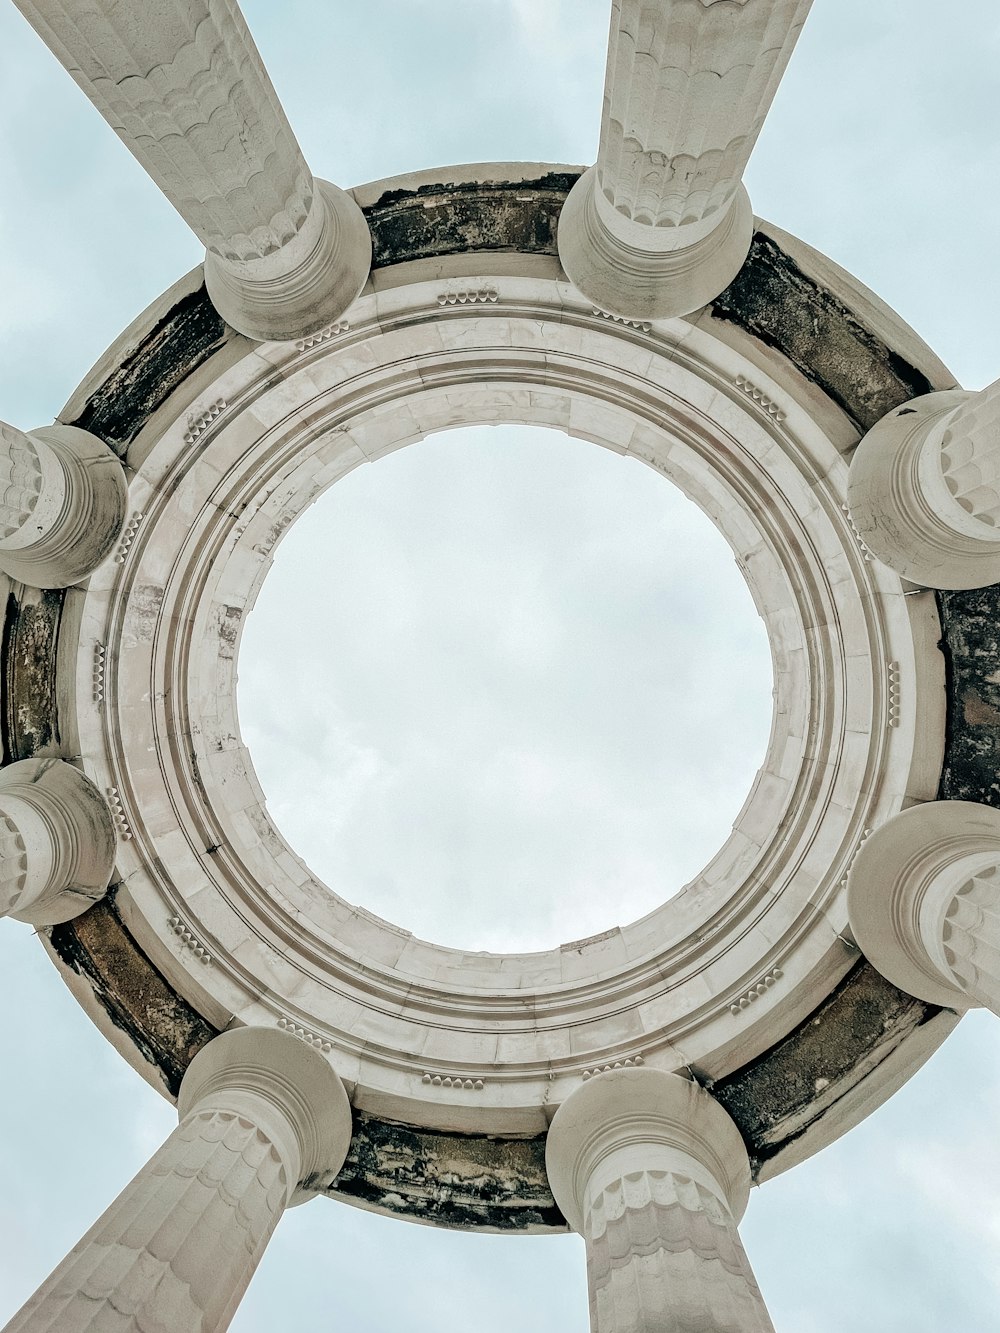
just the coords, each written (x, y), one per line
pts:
(535, 673)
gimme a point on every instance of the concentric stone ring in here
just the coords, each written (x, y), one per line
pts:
(227, 452)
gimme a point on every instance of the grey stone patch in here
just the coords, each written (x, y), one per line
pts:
(136, 997)
(775, 301)
(970, 623)
(467, 1182)
(777, 1097)
(29, 717)
(457, 218)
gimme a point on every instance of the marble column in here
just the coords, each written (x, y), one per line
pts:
(183, 85)
(924, 489)
(264, 1120)
(63, 499)
(662, 223)
(654, 1175)
(923, 900)
(57, 842)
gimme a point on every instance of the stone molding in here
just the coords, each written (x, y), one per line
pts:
(57, 842)
(924, 902)
(185, 89)
(858, 361)
(63, 506)
(653, 1173)
(405, 367)
(174, 1253)
(662, 223)
(924, 489)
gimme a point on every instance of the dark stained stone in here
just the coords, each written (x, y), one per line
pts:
(29, 720)
(447, 219)
(774, 300)
(185, 337)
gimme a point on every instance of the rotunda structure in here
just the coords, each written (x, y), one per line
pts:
(630, 1086)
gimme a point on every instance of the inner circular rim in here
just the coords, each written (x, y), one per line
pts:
(686, 549)
(394, 1011)
(714, 492)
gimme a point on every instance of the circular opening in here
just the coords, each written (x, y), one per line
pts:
(505, 689)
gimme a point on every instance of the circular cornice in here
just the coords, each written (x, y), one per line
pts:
(438, 1037)
(753, 407)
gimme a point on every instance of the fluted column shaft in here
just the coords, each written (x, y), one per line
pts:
(662, 223)
(183, 85)
(654, 1175)
(924, 902)
(924, 489)
(260, 1113)
(63, 498)
(57, 842)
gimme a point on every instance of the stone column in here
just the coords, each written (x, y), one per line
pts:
(923, 900)
(260, 1115)
(924, 489)
(63, 499)
(57, 842)
(654, 1175)
(183, 85)
(662, 223)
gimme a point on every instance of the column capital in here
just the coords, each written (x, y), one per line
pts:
(183, 86)
(924, 489)
(63, 502)
(285, 1087)
(636, 271)
(662, 224)
(655, 1176)
(260, 1114)
(911, 892)
(643, 1119)
(57, 842)
(310, 281)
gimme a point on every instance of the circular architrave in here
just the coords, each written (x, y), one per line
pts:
(434, 1037)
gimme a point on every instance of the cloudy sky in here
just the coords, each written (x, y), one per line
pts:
(533, 750)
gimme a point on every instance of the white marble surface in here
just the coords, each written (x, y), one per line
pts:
(280, 423)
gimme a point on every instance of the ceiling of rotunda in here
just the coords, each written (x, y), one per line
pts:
(869, 116)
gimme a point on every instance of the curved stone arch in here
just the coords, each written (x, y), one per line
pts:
(789, 366)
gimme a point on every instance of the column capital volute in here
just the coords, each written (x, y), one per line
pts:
(643, 1119)
(276, 1080)
(902, 882)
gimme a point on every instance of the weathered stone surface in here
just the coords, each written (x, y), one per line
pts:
(177, 345)
(447, 218)
(970, 623)
(775, 1098)
(774, 300)
(29, 717)
(453, 1180)
(135, 996)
